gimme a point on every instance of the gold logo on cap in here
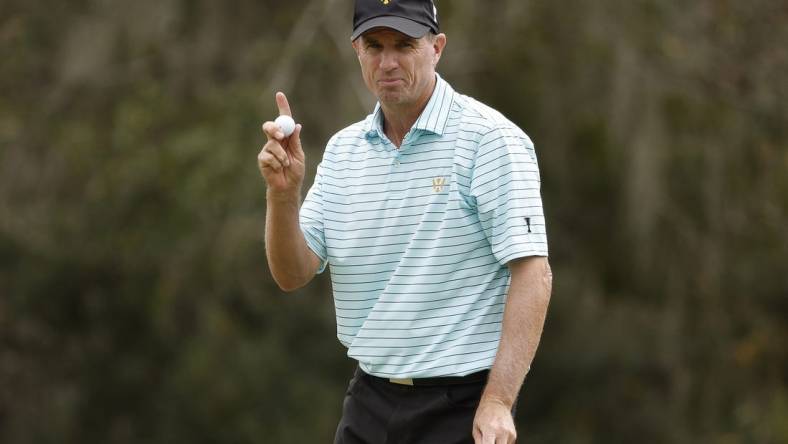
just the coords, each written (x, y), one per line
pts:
(385, 2)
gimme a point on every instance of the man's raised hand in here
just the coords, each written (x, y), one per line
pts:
(281, 161)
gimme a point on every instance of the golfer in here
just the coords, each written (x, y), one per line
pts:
(429, 215)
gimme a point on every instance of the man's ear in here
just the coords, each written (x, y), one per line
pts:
(438, 44)
(356, 44)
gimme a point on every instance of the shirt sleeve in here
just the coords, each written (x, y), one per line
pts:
(311, 220)
(505, 186)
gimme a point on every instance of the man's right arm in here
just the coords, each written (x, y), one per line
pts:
(281, 163)
(292, 262)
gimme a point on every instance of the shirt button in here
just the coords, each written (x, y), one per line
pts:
(396, 163)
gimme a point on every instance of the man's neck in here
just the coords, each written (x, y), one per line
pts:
(397, 121)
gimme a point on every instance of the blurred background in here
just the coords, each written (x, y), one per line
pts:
(136, 304)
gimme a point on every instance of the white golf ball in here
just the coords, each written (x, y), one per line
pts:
(286, 123)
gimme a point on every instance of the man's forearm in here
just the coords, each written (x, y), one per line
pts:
(291, 261)
(523, 321)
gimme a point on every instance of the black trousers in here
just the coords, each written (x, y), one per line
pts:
(376, 411)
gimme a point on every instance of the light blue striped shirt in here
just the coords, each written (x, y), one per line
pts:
(418, 238)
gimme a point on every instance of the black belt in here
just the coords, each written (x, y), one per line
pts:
(441, 380)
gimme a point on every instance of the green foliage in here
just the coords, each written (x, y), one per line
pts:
(135, 300)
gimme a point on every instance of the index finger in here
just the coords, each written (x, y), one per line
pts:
(284, 107)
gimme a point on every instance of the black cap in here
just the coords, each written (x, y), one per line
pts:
(413, 18)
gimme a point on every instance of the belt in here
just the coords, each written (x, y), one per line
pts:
(441, 380)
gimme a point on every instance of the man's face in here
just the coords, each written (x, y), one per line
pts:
(398, 69)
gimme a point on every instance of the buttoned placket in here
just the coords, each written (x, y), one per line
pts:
(397, 155)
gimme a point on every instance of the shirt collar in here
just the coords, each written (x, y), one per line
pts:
(434, 117)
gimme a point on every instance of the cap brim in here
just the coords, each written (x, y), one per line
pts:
(403, 25)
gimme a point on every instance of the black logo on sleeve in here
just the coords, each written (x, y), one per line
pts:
(528, 222)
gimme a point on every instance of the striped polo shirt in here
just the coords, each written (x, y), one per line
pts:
(418, 238)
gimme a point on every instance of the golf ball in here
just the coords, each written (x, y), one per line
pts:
(286, 123)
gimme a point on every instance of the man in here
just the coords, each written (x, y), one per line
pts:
(430, 216)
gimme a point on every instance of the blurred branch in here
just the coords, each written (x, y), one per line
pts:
(301, 37)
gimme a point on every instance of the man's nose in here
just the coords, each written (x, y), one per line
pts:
(388, 60)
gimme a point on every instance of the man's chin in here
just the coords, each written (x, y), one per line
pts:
(391, 97)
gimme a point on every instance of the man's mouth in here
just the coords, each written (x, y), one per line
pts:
(389, 82)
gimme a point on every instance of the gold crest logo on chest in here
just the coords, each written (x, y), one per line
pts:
(438, 183)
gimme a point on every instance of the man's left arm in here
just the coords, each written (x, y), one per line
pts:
(523, 320)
